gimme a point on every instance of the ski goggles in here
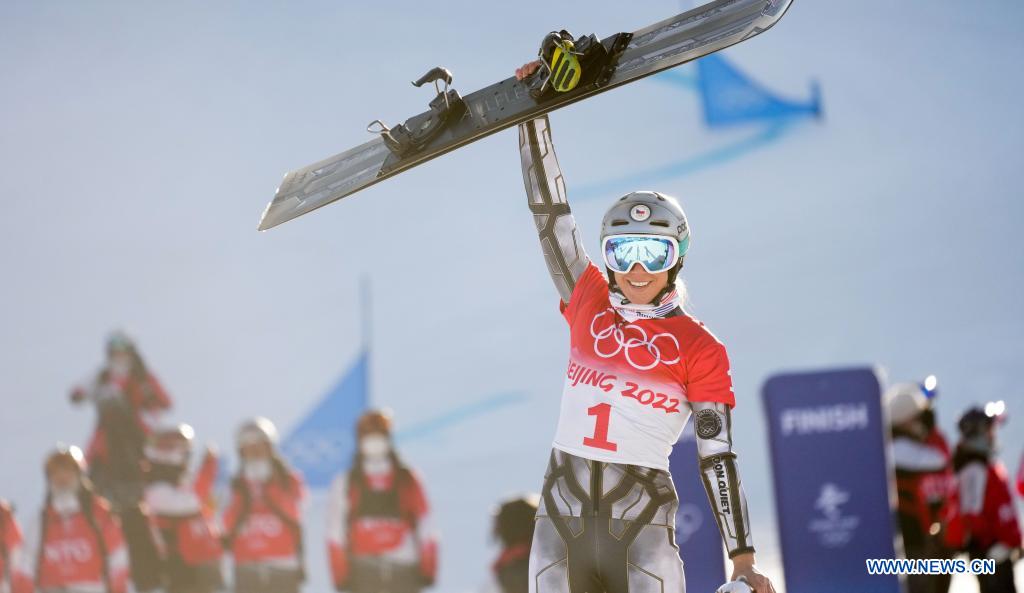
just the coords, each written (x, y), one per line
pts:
(656, 253)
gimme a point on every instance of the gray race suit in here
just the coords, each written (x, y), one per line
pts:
(602, 526)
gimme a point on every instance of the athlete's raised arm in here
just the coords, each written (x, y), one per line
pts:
(545, 189)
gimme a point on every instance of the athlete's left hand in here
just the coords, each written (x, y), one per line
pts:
(743, 566)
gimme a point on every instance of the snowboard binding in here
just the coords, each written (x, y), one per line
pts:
(567, 63)
(407, 138)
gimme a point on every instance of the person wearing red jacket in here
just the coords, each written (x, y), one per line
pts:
(79, 544)
(128, 400)
(926, 486)
(182, 507)
(1020, 477)
(263, 521)
(378, 524)
(14, 577)
(990, 519)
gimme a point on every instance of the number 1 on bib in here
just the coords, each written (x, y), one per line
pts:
(600, 438)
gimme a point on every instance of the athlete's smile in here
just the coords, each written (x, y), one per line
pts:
(640, 286)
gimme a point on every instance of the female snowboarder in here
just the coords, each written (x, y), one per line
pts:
(639, 367)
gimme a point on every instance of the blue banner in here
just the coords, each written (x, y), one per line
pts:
(322, 445)
(730, 97)
(700, 544)
(832, 494)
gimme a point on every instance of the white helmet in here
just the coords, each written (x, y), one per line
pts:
(256, 430)
(170, 443)
(67, 456)
(905, 402)
(648, 213)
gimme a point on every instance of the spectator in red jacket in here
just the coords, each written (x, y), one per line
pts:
(128, 401)
(990, 519)
(263, 521)
(925, 483)
(14, 576)
(378, 525)
(182, 507)
(1020, 477)
(79, 545)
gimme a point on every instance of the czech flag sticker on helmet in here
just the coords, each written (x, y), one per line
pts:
(640, 212)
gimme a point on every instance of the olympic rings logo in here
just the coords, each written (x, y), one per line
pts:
(622, 343)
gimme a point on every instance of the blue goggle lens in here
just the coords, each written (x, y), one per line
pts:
(655, 254)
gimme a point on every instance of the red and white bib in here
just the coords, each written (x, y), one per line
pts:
(628, 383)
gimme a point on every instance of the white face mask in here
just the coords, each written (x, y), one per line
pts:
(375, 446)
(64, 501)
(257, 470)
(119, 366)
(981, 444)
(176, 456)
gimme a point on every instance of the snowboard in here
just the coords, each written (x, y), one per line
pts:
(572, 69)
